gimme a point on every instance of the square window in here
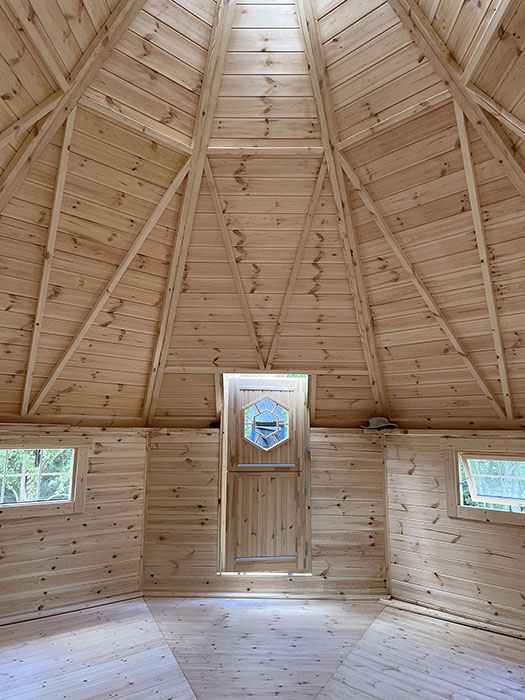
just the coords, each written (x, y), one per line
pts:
(487, 487)
(496, 482)
(42, 481)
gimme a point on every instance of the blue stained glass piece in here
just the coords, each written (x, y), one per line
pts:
(266, 405)
(280, 411)
(282, 433)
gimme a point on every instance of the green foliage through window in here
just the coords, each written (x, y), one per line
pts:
(495, 484)
(36, 475)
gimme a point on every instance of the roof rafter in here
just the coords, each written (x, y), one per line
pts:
(297, 263)
(414, 277)
(490, 30)
(26, 16)
(329, 135)
(206, 110)
(28, 120)
(56, 208)
(232, 262)
(110, 286)
(446, 67)
(483, 251)
(505, 117)
(81, 76)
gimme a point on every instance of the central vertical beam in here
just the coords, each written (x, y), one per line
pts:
(210, 90)
(330, 138)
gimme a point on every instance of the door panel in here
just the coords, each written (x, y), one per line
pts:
(266, 483)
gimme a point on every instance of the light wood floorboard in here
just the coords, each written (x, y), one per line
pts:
(404, 656)
(113, 651)
(260, 649)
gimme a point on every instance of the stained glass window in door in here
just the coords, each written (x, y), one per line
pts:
(266, 423)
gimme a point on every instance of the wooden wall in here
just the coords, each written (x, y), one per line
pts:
(347, 494)
(471, 568)
(67, 560)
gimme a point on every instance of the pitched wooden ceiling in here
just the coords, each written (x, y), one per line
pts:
(195, 187)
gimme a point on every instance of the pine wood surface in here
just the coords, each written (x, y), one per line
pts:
(466, 567)
(55, 561)
(403, 655)
(260, 649)
(112, 651)
(347, 519)
(263, 278)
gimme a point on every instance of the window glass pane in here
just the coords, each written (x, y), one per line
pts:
(12, 489)
(34, 475)
(497, 484)
(265, 423)
(497, 478)
(55, 487)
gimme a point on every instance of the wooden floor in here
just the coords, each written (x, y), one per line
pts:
(255, 649)
(404, 656)
(113, 651)
(260, 649)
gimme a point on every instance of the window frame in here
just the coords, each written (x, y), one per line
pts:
(75, 504)
(465, 456)
(455, 507)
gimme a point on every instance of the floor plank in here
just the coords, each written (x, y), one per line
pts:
(403, 655)
(260, 649)
(112, 651)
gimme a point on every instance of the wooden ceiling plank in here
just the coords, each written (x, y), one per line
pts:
(427, 297)
(124, 120)
(79, 80)
(110, 287)
(329, 135)
(487, 36)
(297, 263)
(213, 71)
(448, 70)
(232, 262)
(29, 119)
(405, 115)
(505, 117)
(27, 20)
(483, 251)
(48, 256)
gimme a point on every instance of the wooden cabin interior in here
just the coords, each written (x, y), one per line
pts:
(262, 349)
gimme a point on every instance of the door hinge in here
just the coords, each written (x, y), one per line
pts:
(305, 451)
(306, 549)
(232, 459)
(306, 489)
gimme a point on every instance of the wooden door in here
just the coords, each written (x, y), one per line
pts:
(266, 481)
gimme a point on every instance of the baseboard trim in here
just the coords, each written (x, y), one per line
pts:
(438, 614)
(370, 597)
(77, 607)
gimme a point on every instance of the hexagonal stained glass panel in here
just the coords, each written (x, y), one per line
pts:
(266, 423)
